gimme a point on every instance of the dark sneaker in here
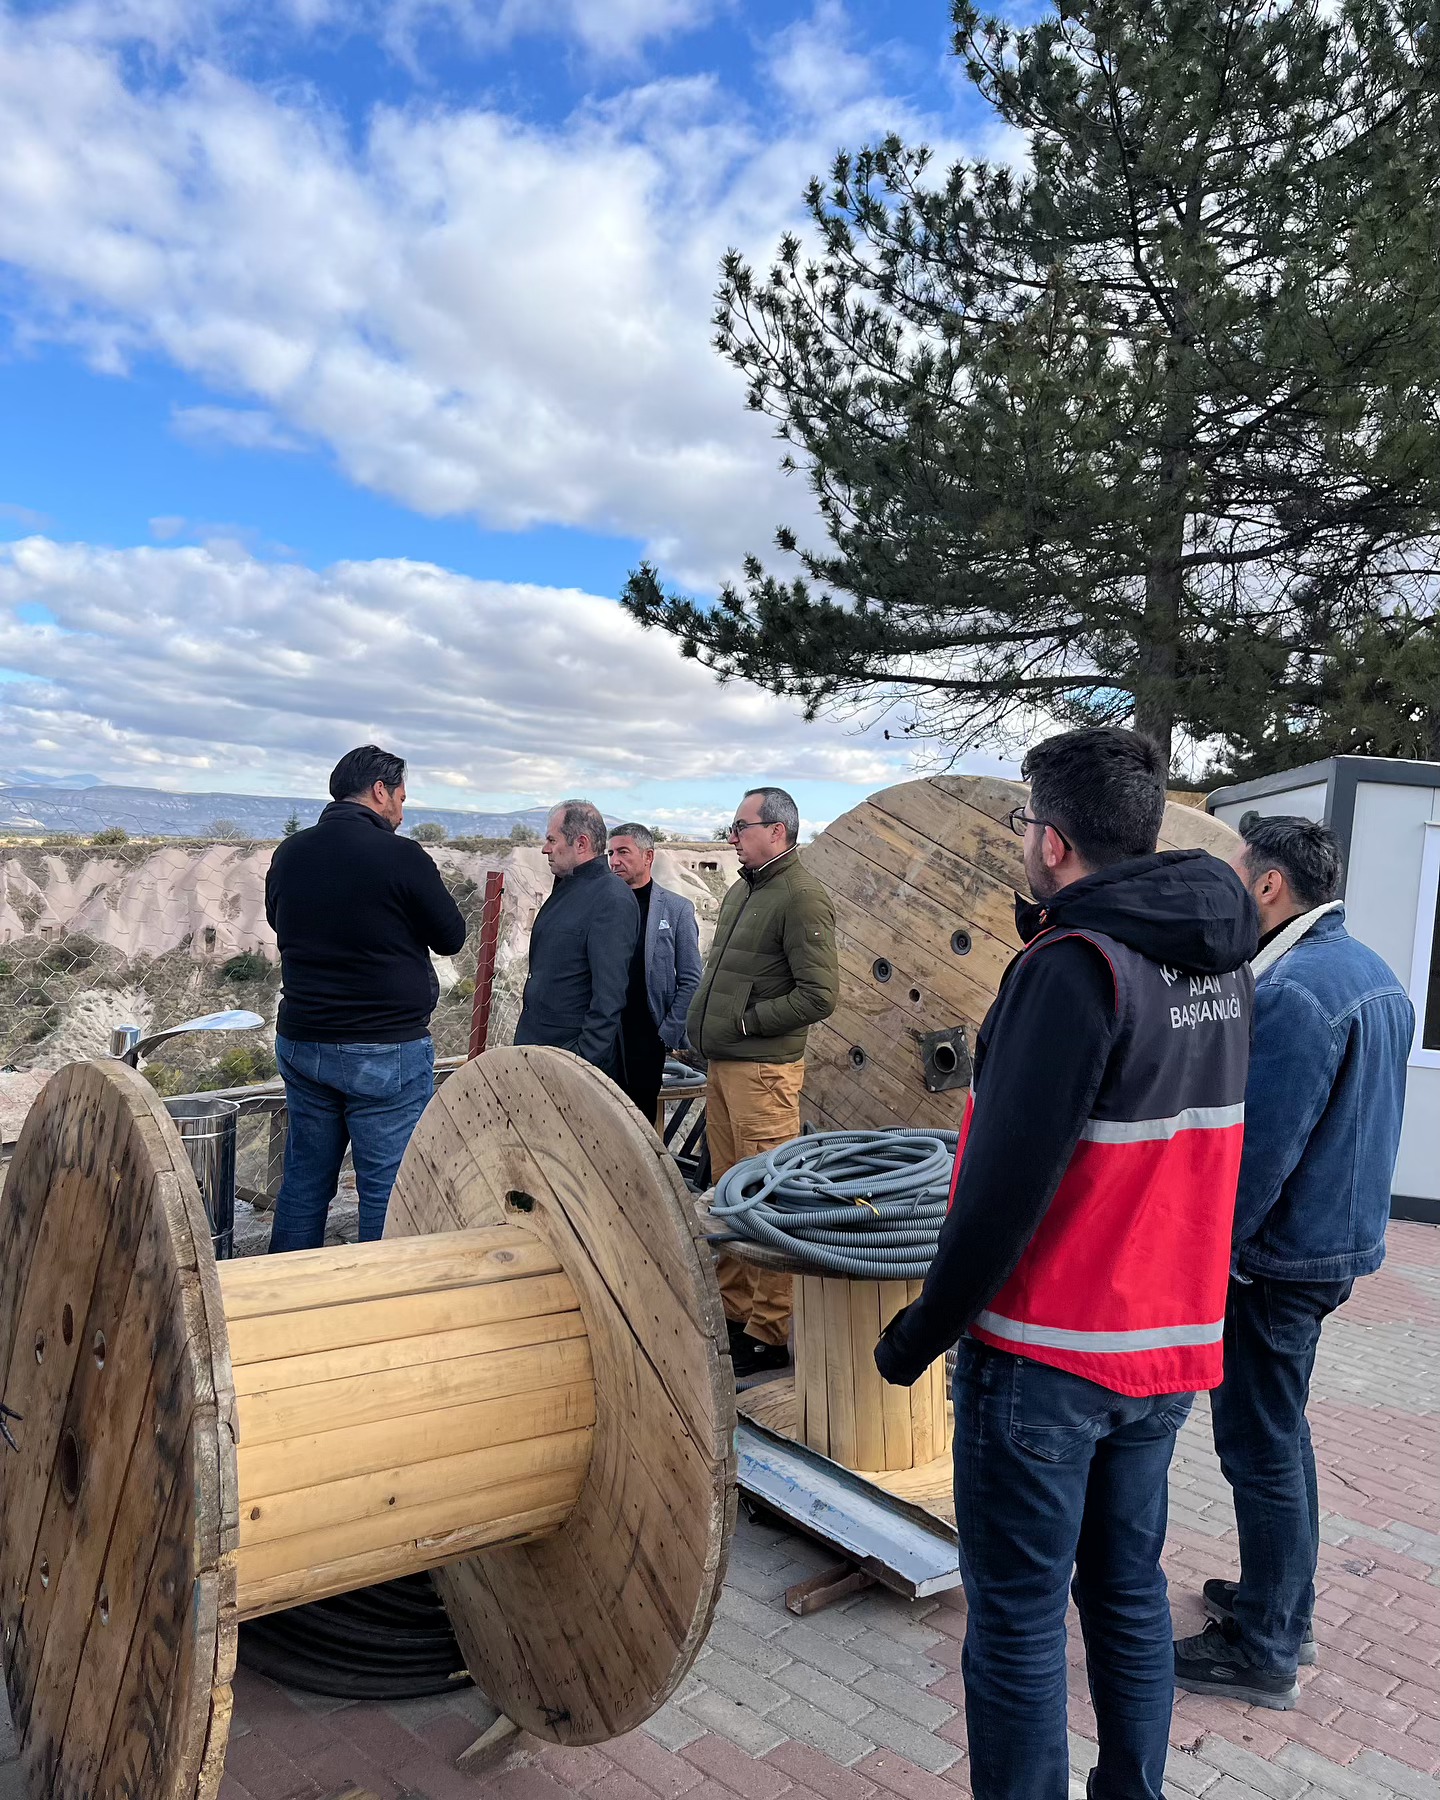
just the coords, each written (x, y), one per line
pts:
(751, 1357)
(1219, 1597)
(1215, 1663)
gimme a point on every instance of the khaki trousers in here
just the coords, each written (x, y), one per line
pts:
(750, 1107)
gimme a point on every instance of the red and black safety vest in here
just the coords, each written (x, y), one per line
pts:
(1124, 1282)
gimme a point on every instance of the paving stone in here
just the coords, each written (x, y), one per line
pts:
(1397, 1776)
(720, 1759)
(717, 1670)
(887, 1652)
(1251, 1770)
(835, 1659)
(902, 1777)
(819, 1773)
(1329, 1777)
(834, 1697)
(673, 1727)
(909, 1740)
(745, 1647)
(798, 1719)
(669, 1775)
(718, 1712)
(755, 1615)
(887, 1688)
(1188, 1775)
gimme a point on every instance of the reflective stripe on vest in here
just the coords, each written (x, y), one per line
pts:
(1102, 1343)
(1154, 1131)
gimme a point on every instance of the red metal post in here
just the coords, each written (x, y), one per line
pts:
(485, 963)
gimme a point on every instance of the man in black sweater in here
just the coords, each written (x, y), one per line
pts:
(355, 909)
(580, 944)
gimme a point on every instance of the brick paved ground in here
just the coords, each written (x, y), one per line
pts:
(863, 1702)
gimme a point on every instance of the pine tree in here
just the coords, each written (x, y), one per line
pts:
(1089, 435)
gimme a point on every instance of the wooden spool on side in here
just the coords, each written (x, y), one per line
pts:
(842, 1407)
(118, 1517)
(580, 1637)
(399, 1404)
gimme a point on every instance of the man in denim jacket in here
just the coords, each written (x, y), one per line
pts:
(1323, 1104)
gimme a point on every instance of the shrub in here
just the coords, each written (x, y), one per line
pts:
(249, 965)
(524, 834)
(165, 1079)
(225, 828)
(292, 824)
(430, 831)
(112, 834)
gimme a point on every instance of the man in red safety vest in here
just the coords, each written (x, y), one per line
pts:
(1084, 1262)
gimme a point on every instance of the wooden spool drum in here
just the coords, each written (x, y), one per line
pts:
(923, 879)
(523, 1386)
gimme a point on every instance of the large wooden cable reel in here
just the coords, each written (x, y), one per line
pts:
(523, 1386)
(923, 877)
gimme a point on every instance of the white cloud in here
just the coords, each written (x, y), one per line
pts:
(475, 313)
(186, 667)
(246, 428)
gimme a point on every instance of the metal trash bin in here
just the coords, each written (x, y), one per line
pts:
(207, 1128)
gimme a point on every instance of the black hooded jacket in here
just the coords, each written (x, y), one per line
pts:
(1041, 1055)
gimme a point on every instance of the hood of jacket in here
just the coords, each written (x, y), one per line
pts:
(1183, 908)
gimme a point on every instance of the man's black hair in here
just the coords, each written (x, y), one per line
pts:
(358, 770)
(1307, 854)
(1102, 788)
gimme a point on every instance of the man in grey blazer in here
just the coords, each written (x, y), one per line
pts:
(664, 970)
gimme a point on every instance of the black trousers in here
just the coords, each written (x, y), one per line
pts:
(643, 1059)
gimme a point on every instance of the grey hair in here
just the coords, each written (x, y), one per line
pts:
(642, 834)
(579, 817)
(777, 808)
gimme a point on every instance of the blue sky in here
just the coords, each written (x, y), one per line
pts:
(351, 353)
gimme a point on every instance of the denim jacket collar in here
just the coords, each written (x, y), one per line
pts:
(1300, 926)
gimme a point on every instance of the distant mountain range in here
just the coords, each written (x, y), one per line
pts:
(79, 803)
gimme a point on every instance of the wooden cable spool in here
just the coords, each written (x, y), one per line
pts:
(923, 879)
(522, 1387)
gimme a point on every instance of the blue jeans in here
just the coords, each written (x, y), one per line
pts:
(1052, 1475)
(368, 1096)
(1272, 1329)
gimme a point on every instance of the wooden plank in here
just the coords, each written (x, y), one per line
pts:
(345, 1273)
(361, 1399)
(519, 1503)
(428, 1351)
(414, 1437)
(267, 1517)
(895, 1402)
(277, 1593)
(864, 1299)
(839, 1371)
(266, 1337)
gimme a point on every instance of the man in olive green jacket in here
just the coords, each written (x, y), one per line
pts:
(772, 972)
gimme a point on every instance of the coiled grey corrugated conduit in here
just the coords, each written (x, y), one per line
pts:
(865, 1204)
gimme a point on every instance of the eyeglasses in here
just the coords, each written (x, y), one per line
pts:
(739, 825)
(1019, 819)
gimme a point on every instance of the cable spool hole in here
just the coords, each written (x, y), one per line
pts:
(915, 995)
(858, 1058)
(98, 1348)
(881, 969)
(70, 1468)
(67, 1324)
(39, 1346)
(945, 1059)
(960, 942)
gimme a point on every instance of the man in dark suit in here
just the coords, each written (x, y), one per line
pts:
(580, 944)
(664, 970)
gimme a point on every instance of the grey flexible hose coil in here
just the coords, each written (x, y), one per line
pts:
(865, 1204)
